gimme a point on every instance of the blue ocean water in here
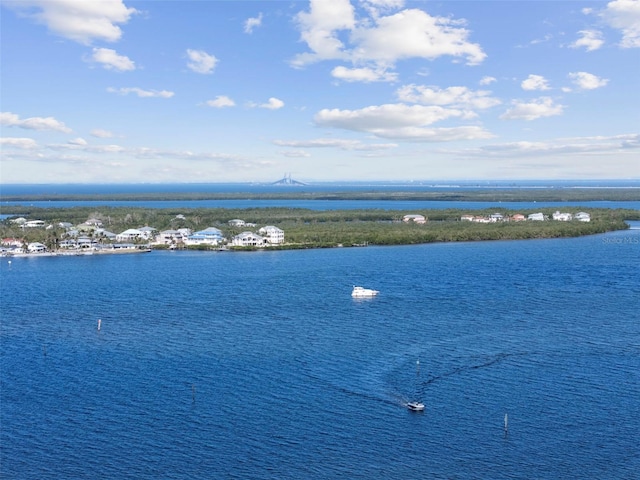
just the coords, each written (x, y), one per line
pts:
(455, 186)
(260, 365)
(5, 207)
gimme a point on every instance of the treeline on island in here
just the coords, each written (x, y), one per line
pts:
(560, 194)
(317, 229)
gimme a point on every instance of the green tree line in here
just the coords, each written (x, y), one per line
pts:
(309, 228)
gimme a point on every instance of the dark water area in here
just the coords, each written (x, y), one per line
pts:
(260, 365)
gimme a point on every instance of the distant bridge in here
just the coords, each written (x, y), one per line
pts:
(287, 180)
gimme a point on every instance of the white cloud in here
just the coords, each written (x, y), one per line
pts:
(535, 82)
(296, 154)
(85, 147)
(78, 141)
(77, 20)
(19, 142)
(252, 23)
(402, 122)
(587, 81)
(110, 60)
(365, 75)
(487, 80)
(460, 97)
(577, 145)
(414, 33)
(220, 101)
(624, 15)
(378, 41)
(141, 93)
(272, 104)
(590, 39)
(319, 29)
(100, 133)
(342, 144)
(542, 107)
(33, 123)
(201, 62)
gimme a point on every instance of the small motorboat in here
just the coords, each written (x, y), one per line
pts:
(415, 406)
(361, 292)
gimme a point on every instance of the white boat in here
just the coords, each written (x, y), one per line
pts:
(360, 292)
(415, 406)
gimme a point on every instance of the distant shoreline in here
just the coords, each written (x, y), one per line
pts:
(499, 194)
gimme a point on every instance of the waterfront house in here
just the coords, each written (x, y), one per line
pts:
(518, 217)
(36, 247)
(68, 244)
(168, 237)
(496, 217)
(248, 239)
(129, 235)
(85, 243)
(236, 222)
(147, 232)
(583, 217)
(208, 236)
(272, 235)
(537, 217)
(467, 218)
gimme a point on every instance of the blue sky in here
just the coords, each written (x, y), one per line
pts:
(119, 91)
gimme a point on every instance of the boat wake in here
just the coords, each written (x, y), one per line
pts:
(489, 362)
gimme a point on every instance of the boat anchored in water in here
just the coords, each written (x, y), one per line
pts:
(360, 292)
(415, 406)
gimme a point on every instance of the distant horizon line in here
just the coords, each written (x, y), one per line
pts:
(360, 182)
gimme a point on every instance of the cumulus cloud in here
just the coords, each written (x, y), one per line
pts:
(220, 101)
(201, 62)
(542, 107)
(365, 75)
(487, 80)
(100, 133)
(460, 97)
(587, 81)
(33, 123)
(252, 23)
(110, 60)
(19, 142)
(400, 121)
(77, 20)
(378, 40)
(414, 33)
(589, 39)
(78, 141)
(140, 92)
(535, 82)
(624, 15)
(272, 104)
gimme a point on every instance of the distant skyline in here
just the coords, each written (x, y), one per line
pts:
(117, 91)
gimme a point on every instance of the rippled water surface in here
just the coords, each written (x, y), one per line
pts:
(260, 365)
